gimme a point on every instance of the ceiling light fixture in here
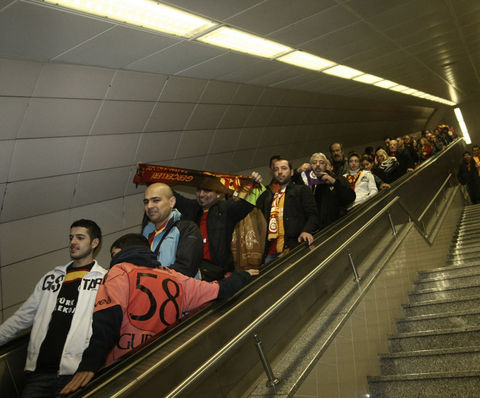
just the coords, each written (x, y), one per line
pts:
(368, 79)
(400, 88)
(150, 14)
(343, 71)
(463, 126)
(386, 84)
(306, 60)
(237, 40)
(144, 13)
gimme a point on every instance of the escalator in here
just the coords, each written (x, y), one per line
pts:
(214, 353)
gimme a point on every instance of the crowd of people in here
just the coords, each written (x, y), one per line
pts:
(84, 318)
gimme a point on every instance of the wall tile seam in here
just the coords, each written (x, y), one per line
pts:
(239, 104)
(67, 208)
(134, 165)
(51, 176)
(3, 266)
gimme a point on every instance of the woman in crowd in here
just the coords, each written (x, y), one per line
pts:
(361, 181)
(425, 149)
(387, 167)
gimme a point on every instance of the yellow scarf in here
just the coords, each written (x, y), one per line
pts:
(276, 230)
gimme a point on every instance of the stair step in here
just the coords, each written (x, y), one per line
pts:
(439, 321)
(438, 294)
(463, 257)
(429, 340)
(448, 281)
(458, 384)
(456, 263)
(450, 271)
(467, 231)
(465, 244)
(465, 250)
(427, 361)
(470, 220)
(435, 307)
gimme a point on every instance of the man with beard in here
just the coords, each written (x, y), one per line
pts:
(176, 243)
(339, 163)
(332, 193)
(290, 212)
(60, 310)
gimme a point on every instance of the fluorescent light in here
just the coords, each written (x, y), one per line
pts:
(366, 78)
(463, 126)
(343, 71)
(151, 14)
(237, 40)
(145, 13)
(306, 60)
(386, 84)
(399, 88)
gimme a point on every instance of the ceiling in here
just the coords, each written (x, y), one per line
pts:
(430, 45)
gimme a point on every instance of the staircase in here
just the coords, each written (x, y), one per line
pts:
(436, 352)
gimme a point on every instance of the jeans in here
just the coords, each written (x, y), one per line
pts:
(40, 384)
(271, 257)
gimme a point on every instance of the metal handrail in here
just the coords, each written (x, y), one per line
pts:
(434, 197)
(273, 309)
(267, 314)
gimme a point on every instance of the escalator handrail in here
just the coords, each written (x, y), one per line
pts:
(325, 234)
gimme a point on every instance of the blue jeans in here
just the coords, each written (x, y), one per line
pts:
(40, 384)
(271, 257)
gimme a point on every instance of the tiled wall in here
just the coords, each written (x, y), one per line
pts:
(342, 370)
(70, 137)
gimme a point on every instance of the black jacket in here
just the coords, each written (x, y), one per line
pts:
(405, 160)
(221, 220)
(471, 179)
(299, 212)
(332, 199)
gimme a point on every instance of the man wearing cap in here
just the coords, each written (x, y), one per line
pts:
(216, 219)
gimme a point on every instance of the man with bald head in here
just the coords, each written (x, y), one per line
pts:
(176, 243)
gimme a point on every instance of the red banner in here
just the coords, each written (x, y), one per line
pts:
(224, 183)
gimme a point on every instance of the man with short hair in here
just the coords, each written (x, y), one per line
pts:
(216, 219)
(404, 159)
(60, 310)
(290, 212)
(176, 243)
(339, 162)
(308, 176)
(332, 193)
(468, 175)
(138, 300)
